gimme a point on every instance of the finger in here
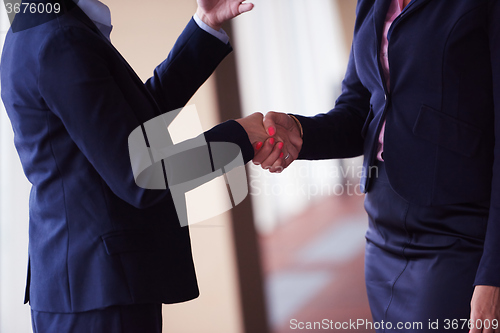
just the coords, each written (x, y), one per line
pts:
(289, 160)
(293, 151)
(279, 165)
(269, 123)
(290, 151)
(486, 323)
(488, 326)
(245, 7)
(264, 151)
(257, 146)
(272, 119)
(273, 157)
(474, 329)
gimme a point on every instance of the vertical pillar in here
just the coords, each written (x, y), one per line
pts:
(244, 233)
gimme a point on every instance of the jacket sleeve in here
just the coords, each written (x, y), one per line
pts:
(337, 134)
(489, 268)
(191, 61)
(77, 85)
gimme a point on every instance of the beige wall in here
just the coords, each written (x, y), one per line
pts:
(144, 32)
(347, 11)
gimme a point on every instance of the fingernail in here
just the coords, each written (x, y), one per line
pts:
(281, 155)
(280, 145)
(272, 131)
(258, 145)
(271, 141)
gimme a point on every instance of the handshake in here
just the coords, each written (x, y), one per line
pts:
(191, 168)
(276, 138)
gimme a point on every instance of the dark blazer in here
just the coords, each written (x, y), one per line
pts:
(96, 238)
(442, 138)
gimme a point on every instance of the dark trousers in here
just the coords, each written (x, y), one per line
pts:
(142, 318)
(421, 261)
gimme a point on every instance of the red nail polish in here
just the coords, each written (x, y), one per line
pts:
(280, 145)
(271, 141)
(258, 145)
(281, 155)
(272, 131)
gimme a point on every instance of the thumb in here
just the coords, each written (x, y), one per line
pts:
(245, 7)
(271, 119)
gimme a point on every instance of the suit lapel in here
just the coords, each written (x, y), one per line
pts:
(81, 16)
(380, 12)
(76, 12)
(413, 6)
(382, 6)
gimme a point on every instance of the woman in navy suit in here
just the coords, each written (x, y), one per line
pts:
(421, 102)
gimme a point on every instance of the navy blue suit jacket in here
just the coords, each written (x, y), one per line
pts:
(442, 137)
(97, 239)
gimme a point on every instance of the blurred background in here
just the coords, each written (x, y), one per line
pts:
(292, 252)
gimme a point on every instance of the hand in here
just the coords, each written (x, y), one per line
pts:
(266, 148)
(282, 127)
(216, 12)
(485, 306)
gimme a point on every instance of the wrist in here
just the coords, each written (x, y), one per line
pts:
(298, 124)
(207, 20)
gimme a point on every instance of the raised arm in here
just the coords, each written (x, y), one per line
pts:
(194, 56)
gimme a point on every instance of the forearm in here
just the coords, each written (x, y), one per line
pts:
(192, 60)
(336, 134)
(489, 268)
(231, 131)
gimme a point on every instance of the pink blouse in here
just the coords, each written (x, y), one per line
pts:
(395, 9)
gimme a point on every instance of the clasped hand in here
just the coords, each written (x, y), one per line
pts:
(276, 139)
